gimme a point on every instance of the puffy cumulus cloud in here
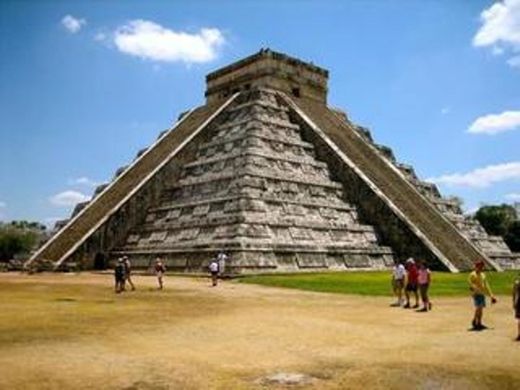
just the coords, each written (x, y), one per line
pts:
(500, 28)
(151, 41)
(68, 198)
(496, 123)
(481, 177)
(72, 24)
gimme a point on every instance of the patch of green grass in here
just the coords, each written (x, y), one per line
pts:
(378, 283)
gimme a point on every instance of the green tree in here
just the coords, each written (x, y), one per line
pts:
(496, 220)
(19, 237)
(512, 237)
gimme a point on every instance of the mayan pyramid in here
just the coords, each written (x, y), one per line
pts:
(267, 172)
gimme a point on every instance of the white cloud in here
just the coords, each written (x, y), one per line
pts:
(3, 205)
(84, 181)
(500, 28)
(514, 62)
(513, 197)
(72, 24)
(445, 110)
(481, 177)
(68, 198)
(496, 123)
(151, 41)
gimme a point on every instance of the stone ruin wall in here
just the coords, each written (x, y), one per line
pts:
(372, 209)
(450, 207)
(114, 232)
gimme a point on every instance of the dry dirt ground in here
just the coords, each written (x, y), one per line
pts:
(72, 331)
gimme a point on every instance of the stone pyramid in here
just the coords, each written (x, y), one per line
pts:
(270, 174)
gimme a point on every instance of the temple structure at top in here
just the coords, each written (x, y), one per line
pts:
(269, 69)
(267, 172)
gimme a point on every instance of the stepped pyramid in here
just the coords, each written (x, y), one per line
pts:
(266, 171)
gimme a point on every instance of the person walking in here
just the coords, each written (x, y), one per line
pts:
(516, 303)
(159, 269)
(479, 288)
(398, 282)
(222, 258)
(213, 269)
(119, 275)
(411, 284)
(128, 271)
(423, 282)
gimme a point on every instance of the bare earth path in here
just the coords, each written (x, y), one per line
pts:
(72, 331)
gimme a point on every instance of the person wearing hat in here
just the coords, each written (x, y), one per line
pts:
(128, 270)
(119, 275)
(479, 288)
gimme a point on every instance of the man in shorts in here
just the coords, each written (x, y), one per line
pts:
(119, 275)
(398, 282)
(479, 288)
(411, 284)
(213, 269)
(516, 303)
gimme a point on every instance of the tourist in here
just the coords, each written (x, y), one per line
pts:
(423, 281)
(128, 270)
(213, 269)
(119, 275)
(398, 282)
(222, 258)
(411, 284)
(159, 269)
(516, 303)
(479, 288)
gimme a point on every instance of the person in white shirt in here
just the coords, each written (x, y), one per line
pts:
(222, 257)
(213, 269)
(398, 282)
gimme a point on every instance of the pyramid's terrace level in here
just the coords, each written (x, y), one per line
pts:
(271, 70)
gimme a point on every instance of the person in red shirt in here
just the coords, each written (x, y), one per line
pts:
(411, 285)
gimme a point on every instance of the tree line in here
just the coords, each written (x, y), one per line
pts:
(19, 238)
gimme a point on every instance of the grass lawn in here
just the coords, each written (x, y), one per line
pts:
(378, 283)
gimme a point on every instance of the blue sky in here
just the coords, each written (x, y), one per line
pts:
(85, 85)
